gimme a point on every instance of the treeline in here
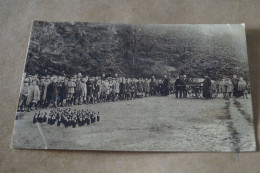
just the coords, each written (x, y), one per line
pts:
(132, 50)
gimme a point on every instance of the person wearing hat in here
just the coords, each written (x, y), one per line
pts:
(23, 95)
(33, 95)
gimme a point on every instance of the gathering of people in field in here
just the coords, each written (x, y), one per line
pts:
(67, 117)
(60, 91)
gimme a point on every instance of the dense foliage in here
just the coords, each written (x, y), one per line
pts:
(137, 50)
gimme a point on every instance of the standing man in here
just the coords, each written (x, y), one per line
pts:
(63, 92)
(78, 91)
(33, 95)
(179, 87)
(152, 87)
(207, 87)
(52, 93)
(235, 84)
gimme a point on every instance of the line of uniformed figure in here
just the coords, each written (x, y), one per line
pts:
(61, 91)
(67, 117)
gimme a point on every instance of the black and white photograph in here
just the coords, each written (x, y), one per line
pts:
(135, 87)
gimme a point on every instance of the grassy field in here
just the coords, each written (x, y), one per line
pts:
(150, 124)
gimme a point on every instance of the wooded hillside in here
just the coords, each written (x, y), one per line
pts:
(137, 50)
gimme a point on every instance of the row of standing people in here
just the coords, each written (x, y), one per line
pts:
(60, 91)
(208, 88)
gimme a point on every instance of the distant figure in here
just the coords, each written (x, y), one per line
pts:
(235, 84)
(230, 87)
(207, 87)
(242, 87)
(165, 86)
(52, 93)
(180, 87)
(223, 87)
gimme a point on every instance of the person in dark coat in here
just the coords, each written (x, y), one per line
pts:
(63, 92)
(180, 87)
(78, 91)
(52, 93)
(207, 87)
(90, 90)
(122, 88)
(235, 85)
(165, 86)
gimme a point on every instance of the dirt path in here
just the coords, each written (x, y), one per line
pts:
(241, 124)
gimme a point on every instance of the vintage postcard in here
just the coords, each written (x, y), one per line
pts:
(135, 87)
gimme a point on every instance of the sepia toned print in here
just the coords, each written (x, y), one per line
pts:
(135, 87)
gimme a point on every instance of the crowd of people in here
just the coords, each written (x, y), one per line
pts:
(60, 91)
(67, 117)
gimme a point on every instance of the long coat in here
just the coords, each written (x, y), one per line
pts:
(165, 87)
(33, 94)
(122, 88)
(23, 95)
(63, 90)
(78, 89)
(52, 92)
(180, 84)
(45, 90)
(207, 88)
